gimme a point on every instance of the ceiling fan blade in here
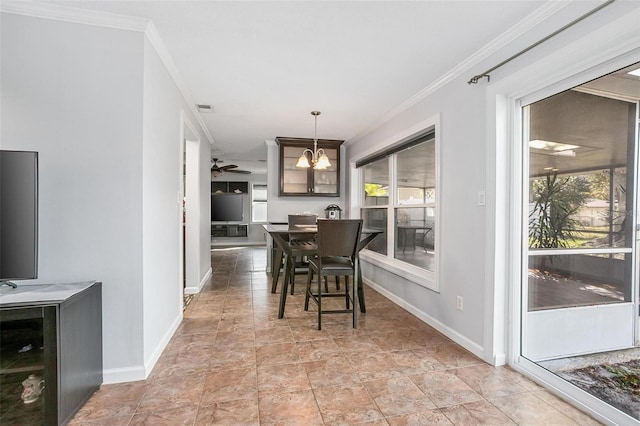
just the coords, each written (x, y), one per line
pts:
(229, 166)
(246, 172)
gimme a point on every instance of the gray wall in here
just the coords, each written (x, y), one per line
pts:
(99, 107)
(472, 236)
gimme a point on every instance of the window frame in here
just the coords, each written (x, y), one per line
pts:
(255, 201)
(422, 277)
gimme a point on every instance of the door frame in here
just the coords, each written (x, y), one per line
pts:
(585, 329)
(190, 160)
(601, 51)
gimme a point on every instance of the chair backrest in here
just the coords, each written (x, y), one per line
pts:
(302, 219)
(338, 237)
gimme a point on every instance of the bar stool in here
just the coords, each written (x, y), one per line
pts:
(337, 242)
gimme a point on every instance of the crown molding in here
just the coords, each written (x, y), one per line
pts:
(160, 48)
(72, 14)
(113, 21)
(541, 14)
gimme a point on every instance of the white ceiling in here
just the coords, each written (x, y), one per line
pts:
(264, 66)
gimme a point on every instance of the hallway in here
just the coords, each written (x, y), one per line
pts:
(232, 362)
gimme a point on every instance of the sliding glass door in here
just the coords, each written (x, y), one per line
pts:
(579, 264)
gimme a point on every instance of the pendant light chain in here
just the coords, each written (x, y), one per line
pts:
(319, 159)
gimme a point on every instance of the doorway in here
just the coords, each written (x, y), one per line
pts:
(190, 212)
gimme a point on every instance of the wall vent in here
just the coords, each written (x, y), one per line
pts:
(204, 108)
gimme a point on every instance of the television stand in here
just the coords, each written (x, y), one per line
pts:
(235, 230)
(52, 332)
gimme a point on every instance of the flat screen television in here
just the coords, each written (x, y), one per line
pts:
(227, 207)
(18, 216)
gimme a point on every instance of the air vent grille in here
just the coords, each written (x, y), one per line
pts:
(205, 108)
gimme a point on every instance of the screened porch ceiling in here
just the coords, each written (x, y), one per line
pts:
(592, 125)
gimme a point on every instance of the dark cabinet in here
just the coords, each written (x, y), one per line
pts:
(224, 186)
(54, 345)
(218, 231)
(308, 181)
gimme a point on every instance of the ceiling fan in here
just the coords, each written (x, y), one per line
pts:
(230, 168)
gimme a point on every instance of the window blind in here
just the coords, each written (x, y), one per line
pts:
(426, 136)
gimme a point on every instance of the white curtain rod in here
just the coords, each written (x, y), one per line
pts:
(485, 74)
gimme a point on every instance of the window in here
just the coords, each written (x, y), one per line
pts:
(258, 202)
(399, 188)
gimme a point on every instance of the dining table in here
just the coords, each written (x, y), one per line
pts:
(280, 234)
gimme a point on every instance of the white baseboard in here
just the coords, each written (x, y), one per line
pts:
(499, 359)
(121, 375)
(203, 282)
(469, 345)
(131, 374)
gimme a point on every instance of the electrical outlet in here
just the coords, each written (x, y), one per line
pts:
(460, 303)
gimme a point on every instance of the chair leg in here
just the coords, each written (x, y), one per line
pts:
(337, 282)
(355, 302)
(319, 302)
(306, 295)
(326, 285)
(346, 289)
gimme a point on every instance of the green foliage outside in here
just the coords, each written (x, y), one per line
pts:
(599, 185)
(375, 190)
(551, 222)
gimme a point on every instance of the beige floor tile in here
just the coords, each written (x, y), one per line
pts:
(333, 370)
(398, 340)
(232, 358)
(415, 362)
(237, 338)
(568, 410)
(107, 421)
(488, 381)
(233, 362)
(451, 355)
(357, 343)
(527, 409)
(172, 392)
(243, 412)
(228, 385)
(196, 326)
(374, 365)
(166, 416)
(306, 333)
(110, 401)
(268, 336)
(398, 395)
(282, 378)
(477, 413)
(424, 418)
(316, 350)
(291, 408)
(346, 404)
(277, 353)
(445, 389)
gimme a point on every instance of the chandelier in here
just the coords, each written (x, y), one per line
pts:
(319, 159)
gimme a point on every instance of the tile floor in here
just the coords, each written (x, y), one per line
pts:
(232, 362)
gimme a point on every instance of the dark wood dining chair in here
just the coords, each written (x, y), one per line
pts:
(301, 244)
(337, 242)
